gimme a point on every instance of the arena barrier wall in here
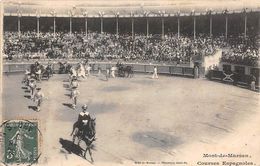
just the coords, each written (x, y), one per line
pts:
(232, 77)
(137, 67)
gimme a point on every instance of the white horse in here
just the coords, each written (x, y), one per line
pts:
(72, 73)
(81, 71)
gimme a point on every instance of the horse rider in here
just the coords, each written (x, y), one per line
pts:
(34, 68)
(81, 70)
(38, 97)
(38, 71)
(83, 117)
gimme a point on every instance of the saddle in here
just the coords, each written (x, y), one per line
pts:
(83, 131)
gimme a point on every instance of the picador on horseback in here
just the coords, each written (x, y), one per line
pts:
(124, 70)
(84, 129)
(64, 68)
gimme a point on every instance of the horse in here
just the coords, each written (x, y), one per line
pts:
(50, 69)
(64, 68)
(81, 70)
(61, 68)
(122, 70)
(72, 73)
(87, 134)
(129, 70)
(47, 72)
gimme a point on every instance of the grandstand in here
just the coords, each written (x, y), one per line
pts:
(149, 20)
(163, 32)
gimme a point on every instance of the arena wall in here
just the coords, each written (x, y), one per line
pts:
(138, 68)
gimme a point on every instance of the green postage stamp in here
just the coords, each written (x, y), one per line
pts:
(20, 141)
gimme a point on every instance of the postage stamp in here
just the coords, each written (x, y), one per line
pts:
(21, 142)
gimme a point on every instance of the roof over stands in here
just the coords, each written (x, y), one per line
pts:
(123, 8)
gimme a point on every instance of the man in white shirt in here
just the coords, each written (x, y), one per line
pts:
(155, 75)
(113, 69)
(74, 96)
(32, 87)
(38, 97)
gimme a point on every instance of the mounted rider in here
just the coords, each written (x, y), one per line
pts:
(84, 116)
(84, 129)
(83, 120)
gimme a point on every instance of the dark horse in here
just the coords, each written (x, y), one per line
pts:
(36, 71)
(64, 68)
(85, 132)
(124, 71)
(47, 71)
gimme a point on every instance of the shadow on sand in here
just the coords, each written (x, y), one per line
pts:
(70, 147)
(27, 96)
(66, 86)
(27, 91)
(34, 108)
(67, 95)
(68, 105)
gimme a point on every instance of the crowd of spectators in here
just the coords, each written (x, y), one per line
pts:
(242, 51)
(107, 46)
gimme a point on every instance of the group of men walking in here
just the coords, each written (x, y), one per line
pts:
(32, 84)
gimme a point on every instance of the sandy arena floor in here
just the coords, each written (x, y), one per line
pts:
(172, 119)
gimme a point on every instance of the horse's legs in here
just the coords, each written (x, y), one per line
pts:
(90, 154)
(74, 132)
(73, 138)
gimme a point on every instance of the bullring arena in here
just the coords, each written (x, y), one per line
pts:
(140, 119)
(202, 109)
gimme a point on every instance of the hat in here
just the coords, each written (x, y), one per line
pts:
(85, 106)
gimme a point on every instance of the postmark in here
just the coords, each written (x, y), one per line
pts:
(21, 142)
